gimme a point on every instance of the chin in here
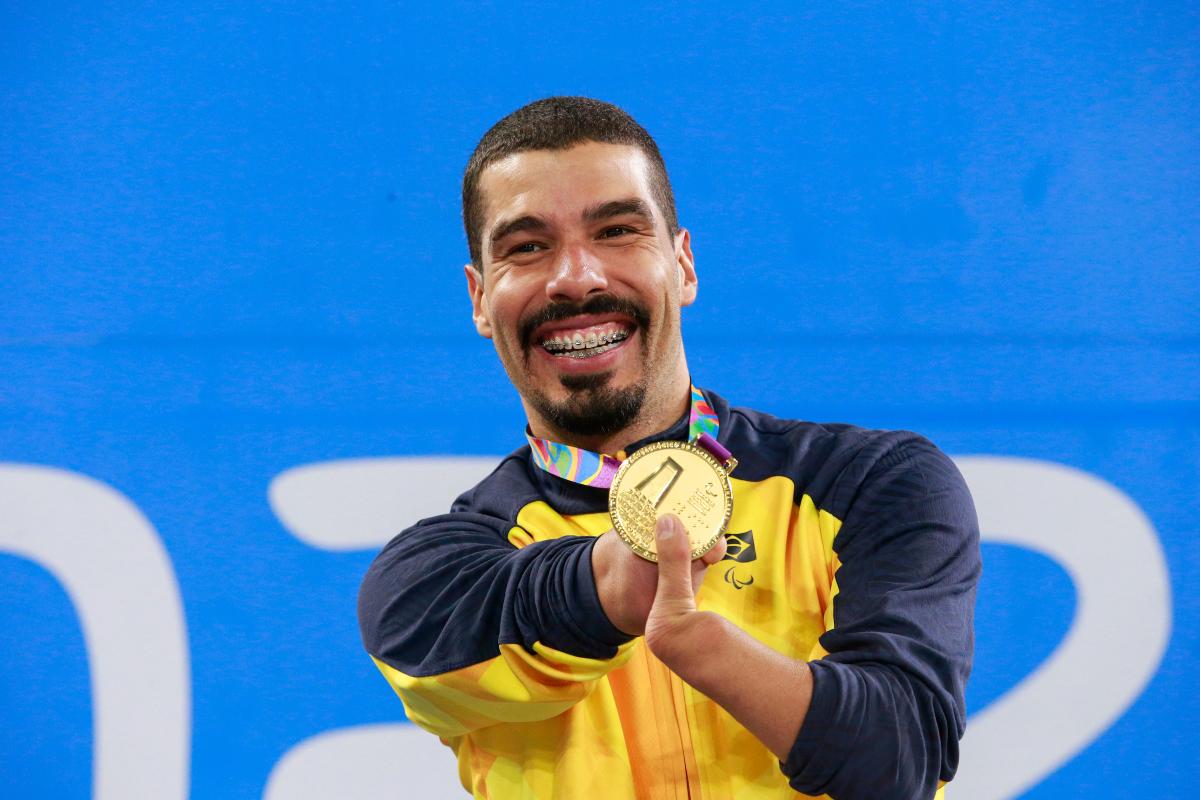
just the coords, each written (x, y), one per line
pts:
(592, 405)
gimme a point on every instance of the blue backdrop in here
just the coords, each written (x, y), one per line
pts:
(230, 246)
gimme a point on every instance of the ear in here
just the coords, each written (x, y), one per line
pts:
(687, 267)
(478, 309)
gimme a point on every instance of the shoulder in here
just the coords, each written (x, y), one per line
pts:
(832, 462)
(504, 491)
(769, 441)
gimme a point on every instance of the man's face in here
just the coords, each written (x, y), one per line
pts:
(582, 284)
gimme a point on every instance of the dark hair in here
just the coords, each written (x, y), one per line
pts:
(557, 123)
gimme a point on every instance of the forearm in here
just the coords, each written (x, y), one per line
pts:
(869, 736)
(715, 657)
(469, 629)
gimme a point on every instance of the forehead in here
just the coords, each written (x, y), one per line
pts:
(561, 183)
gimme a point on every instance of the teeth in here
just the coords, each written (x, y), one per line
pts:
(580, 342)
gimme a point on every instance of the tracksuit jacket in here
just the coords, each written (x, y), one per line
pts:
(854, 550)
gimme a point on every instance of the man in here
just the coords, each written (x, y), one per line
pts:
(822, 650)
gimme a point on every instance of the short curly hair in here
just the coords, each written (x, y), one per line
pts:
(558, 123)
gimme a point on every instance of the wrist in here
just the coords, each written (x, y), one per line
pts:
(686, 645)
(610, 588)
(588, 620)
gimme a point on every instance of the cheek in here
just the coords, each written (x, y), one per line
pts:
(499, 311)
(512, 300)
(505, 321)
(668, 307)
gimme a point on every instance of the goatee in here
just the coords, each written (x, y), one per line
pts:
(594, 408)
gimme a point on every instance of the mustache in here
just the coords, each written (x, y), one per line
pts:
(601, 304)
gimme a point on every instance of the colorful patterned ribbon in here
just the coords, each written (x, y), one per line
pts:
(598, 469)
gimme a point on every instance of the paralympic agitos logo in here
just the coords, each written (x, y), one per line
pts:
(739, 548)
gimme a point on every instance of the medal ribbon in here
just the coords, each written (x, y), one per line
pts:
(598, 469)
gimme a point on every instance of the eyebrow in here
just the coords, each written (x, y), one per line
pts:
(525, 223)
(602, 211)
(616, 208)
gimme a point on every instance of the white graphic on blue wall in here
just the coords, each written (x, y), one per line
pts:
(112, 565)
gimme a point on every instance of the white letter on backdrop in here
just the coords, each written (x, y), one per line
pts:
(355, 505)
(111, 564)
(1122, 619)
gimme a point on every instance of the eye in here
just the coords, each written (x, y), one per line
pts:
(615, 231)
(525, 247)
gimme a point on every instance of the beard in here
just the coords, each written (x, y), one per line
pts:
(594, 407)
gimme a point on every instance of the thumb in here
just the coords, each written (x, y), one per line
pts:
(674, 592)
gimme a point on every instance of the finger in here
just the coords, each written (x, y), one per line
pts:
(701, 564)
(674, 564)
(717, 552)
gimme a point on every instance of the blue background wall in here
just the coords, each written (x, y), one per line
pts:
(230, 245)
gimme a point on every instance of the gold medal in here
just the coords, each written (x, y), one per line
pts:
(680, 478)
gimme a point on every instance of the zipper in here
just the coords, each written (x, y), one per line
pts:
(673, 731)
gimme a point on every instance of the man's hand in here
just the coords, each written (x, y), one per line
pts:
(706, 650)
(711, 654)
(673, 615)
(628, 585)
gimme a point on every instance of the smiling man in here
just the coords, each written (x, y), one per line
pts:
(820, 649)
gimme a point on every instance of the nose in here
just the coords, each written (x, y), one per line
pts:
(576, 275)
